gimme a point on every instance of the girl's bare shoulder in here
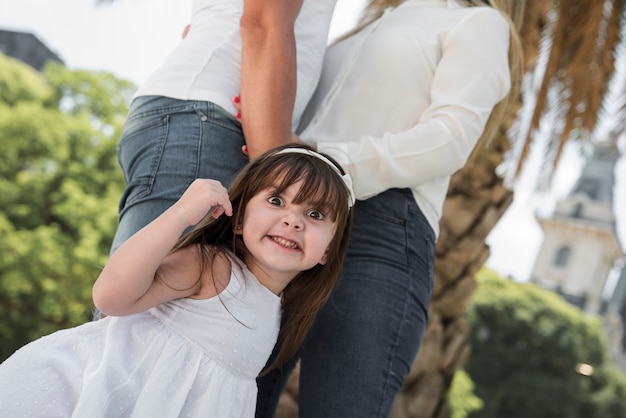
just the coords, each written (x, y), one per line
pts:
(215, 274)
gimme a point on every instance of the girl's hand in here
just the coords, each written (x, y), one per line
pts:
(202, 197)
(237, 104)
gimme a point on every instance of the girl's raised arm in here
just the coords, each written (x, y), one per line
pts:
(127, 283)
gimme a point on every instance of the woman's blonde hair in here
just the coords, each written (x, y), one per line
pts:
(322, 186)
(513, 12)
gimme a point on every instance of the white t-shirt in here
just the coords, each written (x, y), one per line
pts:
(206, 65)
(403, 102)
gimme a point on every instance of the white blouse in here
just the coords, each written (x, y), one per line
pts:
(403, 102)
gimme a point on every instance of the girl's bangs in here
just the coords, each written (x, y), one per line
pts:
(321, 185)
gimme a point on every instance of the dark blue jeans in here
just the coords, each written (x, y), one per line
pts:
(364, 340)
(165, 145)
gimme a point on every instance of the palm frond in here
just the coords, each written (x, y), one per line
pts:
(581, 38)
(612, 115)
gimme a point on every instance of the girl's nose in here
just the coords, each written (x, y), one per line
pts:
(293, 221)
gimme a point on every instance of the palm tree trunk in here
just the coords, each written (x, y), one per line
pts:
(476, 200)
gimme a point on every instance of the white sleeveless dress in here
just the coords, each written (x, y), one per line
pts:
(185, 358)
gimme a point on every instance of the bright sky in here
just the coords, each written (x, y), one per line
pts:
(131, 38)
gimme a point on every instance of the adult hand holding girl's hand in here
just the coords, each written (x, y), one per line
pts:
(202, 197)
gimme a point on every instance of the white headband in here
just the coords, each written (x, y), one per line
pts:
(346, 177)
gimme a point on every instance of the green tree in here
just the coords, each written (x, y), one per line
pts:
(462, 399)
(528, 346)
(59, 188)
(608, 394)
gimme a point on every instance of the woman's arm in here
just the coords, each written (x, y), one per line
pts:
(127, 284)
(470, 78)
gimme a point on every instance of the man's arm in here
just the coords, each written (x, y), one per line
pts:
(268, 72)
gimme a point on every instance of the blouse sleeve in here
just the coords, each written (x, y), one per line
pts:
(471, 77)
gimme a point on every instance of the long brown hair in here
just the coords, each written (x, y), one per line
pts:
(307, 292)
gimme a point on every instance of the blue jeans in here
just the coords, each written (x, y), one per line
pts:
(165, 145)
(364, 340)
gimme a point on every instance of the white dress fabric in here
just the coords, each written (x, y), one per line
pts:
(185, 358)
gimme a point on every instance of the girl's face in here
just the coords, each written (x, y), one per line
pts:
(284, 238)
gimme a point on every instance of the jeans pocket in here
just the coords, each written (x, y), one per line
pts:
(139, 152)
(379, 230)
(421, 247)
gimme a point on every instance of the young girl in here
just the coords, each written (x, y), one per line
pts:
(192, 321)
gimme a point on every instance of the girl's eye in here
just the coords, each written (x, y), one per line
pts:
(316, 214)
(275, 200)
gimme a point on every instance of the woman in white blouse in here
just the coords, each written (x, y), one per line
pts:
(402, 102)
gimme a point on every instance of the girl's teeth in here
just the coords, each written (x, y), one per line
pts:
(284, 242)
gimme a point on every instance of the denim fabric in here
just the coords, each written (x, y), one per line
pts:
(165, 145)
(364, 340)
